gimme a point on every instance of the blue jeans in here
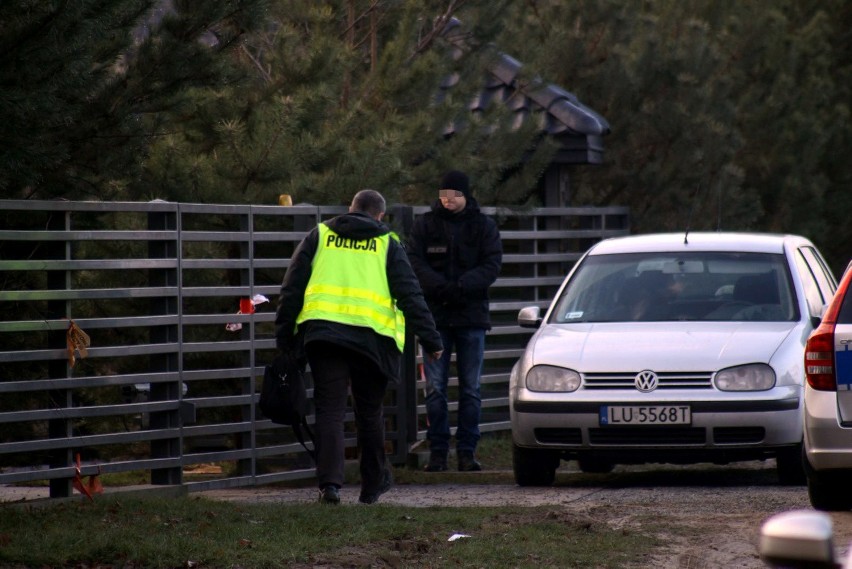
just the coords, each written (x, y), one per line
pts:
(469, 345)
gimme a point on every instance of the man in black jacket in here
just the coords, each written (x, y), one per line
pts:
(456, 252)
(342, 300)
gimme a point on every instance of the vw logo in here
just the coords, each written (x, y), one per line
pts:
(646, 381)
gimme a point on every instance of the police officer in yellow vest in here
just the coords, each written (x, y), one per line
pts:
(346, 299)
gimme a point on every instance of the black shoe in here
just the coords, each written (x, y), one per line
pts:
(387, 482)
(437, 461)
(467, 463)
(329, 494)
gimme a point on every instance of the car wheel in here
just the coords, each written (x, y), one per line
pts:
(790, 465)
(534, 467)
(594, 465)
(829, 491)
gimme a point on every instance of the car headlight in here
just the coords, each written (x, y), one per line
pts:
(551, 378)
(751, 377)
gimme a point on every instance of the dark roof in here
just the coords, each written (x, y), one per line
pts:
(559, 113)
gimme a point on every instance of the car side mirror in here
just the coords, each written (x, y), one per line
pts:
(800, 538)
(529, 317)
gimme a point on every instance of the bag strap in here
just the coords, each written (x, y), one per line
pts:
(297, 429)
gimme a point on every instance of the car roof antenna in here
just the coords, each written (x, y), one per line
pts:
(691, 211)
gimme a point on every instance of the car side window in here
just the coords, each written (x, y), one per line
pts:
(844, 316)
(824, 277)
(813, 295)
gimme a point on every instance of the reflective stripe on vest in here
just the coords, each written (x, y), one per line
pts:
(349, 285)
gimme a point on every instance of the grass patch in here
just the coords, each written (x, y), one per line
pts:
(198, 532)
(130, 531)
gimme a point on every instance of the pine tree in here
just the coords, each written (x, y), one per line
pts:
(85, 85)
(344, 97)
(791, 108)
(724, 115)
(831, 226)
(653, 70)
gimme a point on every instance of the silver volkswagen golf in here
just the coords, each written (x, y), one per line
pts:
(671, 348)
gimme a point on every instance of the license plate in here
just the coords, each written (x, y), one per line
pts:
(612, 415)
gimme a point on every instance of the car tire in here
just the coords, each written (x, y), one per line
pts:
(534, 467)
(790, 465)
(594, 465)
(829, 491)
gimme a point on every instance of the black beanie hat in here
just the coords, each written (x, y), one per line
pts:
(455, 180)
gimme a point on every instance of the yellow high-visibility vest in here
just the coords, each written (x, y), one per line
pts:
(349, 285)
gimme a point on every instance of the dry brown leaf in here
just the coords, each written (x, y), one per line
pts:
(76, 340)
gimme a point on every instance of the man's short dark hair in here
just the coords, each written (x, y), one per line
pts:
(368, 201)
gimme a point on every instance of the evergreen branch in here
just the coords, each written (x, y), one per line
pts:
(544, 27)
(134, 136)
(253, 172)
(230, 141)
(257, 63)
(363, 15)
(437, 28)
(368, 35)
(39, 30)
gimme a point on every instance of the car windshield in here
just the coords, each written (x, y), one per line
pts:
(655, 287)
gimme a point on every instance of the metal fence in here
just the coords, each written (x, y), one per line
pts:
(168, 384)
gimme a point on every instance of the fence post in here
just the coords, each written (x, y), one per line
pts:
(166, 391)
(58, 428)
(247, 466)
(401, 221)
(407, 400)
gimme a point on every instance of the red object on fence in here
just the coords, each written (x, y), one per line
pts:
(94, 485)
(246, 306)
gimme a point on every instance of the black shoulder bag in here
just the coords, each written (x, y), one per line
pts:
(284, 398)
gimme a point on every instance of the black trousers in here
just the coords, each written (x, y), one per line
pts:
(335, 369)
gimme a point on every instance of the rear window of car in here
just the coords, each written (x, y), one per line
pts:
(844, 316)
(723, 286)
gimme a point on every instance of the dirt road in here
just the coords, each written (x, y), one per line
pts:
(710, 516)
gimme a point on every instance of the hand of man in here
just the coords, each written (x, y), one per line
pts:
(437, 355)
